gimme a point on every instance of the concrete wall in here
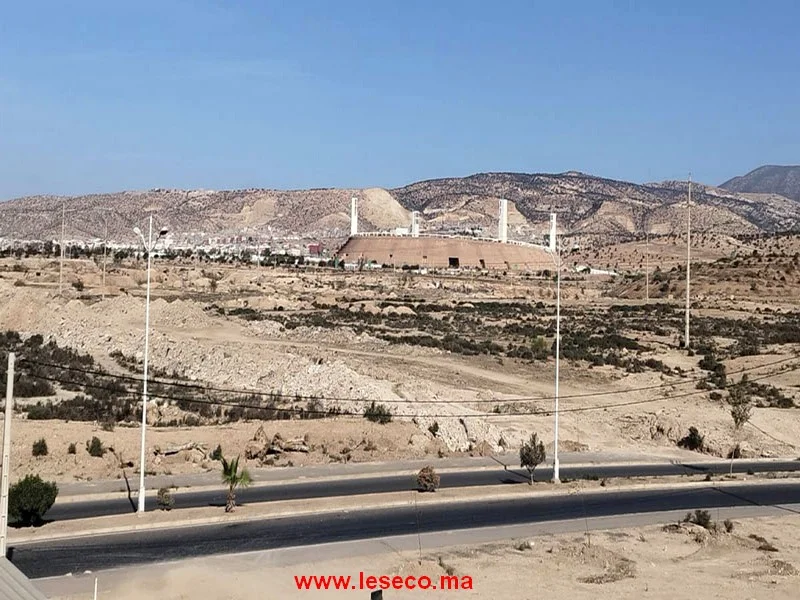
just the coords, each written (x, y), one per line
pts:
(438, 252)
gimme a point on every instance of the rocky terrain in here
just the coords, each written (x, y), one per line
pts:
(769, 179)
(587, 205)
(462, 362)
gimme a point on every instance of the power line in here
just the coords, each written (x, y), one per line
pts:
(247, 392)
(543, 413)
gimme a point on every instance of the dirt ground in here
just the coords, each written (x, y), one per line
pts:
(759, 558)
(470, 401)
(349, 439)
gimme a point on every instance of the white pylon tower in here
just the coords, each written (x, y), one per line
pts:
(415, 224)
(502, 228)
(353, 216)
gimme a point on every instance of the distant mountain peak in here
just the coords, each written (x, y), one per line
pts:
(783, 180)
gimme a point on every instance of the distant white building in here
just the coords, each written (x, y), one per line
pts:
(587, 270)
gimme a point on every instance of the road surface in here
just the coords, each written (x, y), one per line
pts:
(398, 483)
(59, 557)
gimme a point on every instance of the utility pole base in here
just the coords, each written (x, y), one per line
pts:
(556, 473)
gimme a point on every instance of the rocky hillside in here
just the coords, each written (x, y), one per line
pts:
(200, 214)
(585, 204)
(588, 204)
(769, 179)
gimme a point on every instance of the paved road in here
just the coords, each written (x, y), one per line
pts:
(58, 557)
(399, 483)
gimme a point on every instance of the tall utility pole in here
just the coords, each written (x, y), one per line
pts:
(647, 267)
(6, 456)
(61, 262)
(688, 259)
(555, 254)
(105, 247)
(105, 256)
(556, 478)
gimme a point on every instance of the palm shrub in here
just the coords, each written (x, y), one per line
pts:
(233, 478)
(30, 498)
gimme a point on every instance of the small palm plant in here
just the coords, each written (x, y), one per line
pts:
(233, 478)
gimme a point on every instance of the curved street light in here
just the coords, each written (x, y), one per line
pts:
(149, 245)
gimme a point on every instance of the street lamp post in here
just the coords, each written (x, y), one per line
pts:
(105, 249)
(61, 260)
(556, 478)
(148, 246)
(555, 254)
(688, 261)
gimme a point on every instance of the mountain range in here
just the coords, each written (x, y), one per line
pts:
(585, 204)
(769, 179)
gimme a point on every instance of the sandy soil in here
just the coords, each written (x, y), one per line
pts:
(424, 384)
(670, 563)
(328, 438)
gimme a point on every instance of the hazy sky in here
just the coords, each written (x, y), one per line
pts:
(101, 95)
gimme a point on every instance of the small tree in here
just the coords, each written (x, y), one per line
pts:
(740, 401)
(427, 479)
(40, 447)
(217, 453)
(233, 478)
(693, 440)
(95, 447)
(164, 499)
(539, 348)
(378, 413)
(30, 498)
(532, 454)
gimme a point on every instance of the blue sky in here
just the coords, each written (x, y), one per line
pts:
(103, 96)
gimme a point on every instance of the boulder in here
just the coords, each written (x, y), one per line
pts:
(253, 450)
(261, 436)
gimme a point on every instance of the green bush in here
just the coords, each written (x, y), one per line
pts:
(427, 479)
(164, 499)
(728, 525)
(693, 440)
(30, 498)
(72, 449)
(40, 447)
(95, 447)
(378, 413)
(701, 518)
(539, 348)
(217, 453)
(531, 454)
